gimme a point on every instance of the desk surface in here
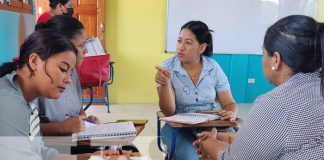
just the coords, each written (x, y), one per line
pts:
(67, 140)
(214, 123)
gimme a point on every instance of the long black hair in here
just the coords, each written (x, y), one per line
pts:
(202, 33)
(54, 3)
(300, 41)
(45, 43)
(63, 24)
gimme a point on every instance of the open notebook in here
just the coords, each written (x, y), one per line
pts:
(190, 118)
(110, 130)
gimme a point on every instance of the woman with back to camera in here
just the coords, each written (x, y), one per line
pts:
(192, 81)
(288, 121)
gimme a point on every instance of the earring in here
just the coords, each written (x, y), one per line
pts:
(273, 68)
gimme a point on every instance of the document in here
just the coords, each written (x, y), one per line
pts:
(190, 118)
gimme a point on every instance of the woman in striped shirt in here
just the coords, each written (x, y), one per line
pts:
(288, 121)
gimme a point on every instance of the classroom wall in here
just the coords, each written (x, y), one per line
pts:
(136, 42)
(8, 35)
(320, 11)
(14, 27)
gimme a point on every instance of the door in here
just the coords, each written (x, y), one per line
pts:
(92, 14)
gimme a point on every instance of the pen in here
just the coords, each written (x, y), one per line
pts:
(87, 119)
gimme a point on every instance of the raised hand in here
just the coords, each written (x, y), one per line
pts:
(162, 76)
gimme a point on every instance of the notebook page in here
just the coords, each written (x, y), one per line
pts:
(110, 130)
(190, 118)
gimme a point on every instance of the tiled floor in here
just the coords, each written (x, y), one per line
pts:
(146, 142)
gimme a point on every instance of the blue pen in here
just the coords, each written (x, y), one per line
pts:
(87, 119)
(90, 121)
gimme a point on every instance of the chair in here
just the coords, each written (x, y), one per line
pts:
(105, 99)
(215, 123)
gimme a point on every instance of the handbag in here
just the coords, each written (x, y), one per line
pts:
(94, 70)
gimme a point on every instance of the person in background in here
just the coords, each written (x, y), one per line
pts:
(192, 81)
(288, 121)
(58, 7)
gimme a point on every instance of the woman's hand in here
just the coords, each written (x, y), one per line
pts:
(211, 134)
(202, 137)
(227, 115)
(74, 124)
(114, 155)
(162, 76)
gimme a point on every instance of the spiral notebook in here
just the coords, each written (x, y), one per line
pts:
(102, 131)
(190, 118)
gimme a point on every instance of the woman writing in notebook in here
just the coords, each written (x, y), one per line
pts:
(288, 121)
(191, 81)
(42, 69)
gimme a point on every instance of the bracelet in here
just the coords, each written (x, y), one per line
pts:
(229, 137)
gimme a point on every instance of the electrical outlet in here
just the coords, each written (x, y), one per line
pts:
(251, 80)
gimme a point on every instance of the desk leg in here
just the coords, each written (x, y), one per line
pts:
(91, 100)
(107, 96)
(174, 138)
(159, 134)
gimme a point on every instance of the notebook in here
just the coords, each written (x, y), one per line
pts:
(190, 118)
(110, 130)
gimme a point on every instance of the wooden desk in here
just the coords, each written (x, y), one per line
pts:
(214, 123)
(176, 126)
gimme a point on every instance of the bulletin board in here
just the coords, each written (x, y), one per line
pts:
(239, 25)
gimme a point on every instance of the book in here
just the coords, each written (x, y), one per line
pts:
(94, 47)
(109, 130)
(190, 118)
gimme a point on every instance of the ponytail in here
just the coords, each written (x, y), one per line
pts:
(209, 41)
(7, 68)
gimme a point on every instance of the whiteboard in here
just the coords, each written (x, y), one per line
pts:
(239, 25)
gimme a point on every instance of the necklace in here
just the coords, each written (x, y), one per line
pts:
(193, 77)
